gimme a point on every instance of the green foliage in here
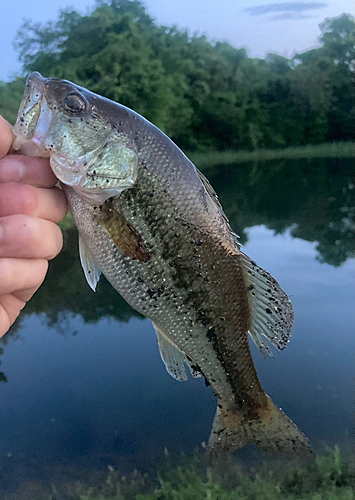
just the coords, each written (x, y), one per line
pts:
(10, 98)
(205, 95)
(326, 478)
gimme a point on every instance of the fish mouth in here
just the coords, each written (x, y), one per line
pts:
(33, 119)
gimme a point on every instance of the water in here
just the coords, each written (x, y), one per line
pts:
(84, 385)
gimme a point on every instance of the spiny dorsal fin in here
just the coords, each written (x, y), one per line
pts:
(213, 195)
(271, 310)
(91, 271)
(172, 357)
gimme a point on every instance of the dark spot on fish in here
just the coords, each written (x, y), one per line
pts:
(211, 334)
(140, 279)
(171, 264)
(151, 293)
(22, 119)
(151, 195)
(160, 290)
(70, 121)
(268, 310)
(207, 382)
(251, 287)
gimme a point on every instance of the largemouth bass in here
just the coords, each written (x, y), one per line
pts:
(152, 224)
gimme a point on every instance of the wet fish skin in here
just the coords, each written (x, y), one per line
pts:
(201, 292)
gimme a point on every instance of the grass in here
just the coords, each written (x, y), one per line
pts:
(326, 478)
(327, 150)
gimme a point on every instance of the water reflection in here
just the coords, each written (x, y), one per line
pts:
(98, 393)
(315, 198)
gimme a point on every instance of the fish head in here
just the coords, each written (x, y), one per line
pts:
(78, 130)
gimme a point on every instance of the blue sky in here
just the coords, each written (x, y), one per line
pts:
(257, 25)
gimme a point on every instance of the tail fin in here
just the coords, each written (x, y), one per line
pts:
(271, 431)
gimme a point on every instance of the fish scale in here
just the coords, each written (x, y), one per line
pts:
(153, 225)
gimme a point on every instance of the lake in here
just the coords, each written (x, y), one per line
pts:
(83, 385)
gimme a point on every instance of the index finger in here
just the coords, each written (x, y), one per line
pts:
(27, 170)
(6, 137)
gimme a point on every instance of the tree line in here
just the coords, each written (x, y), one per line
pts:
(205, 95)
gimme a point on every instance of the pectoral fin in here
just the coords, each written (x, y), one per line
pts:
(122, 234)
(91, 270)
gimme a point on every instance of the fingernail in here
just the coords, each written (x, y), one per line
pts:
(11, 170)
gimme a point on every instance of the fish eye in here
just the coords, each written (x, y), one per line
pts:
(74, 103)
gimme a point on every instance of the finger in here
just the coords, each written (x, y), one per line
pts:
(6, 136)
(27, 237)
(21, 274)
(49, 204)
(10, 307)
(28, 170)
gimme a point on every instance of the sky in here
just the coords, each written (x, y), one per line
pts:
(257, 25)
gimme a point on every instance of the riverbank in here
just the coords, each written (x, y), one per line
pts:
(204, 161)
(189, 478)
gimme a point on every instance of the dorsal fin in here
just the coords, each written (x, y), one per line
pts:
(91, 270)
(214, 197)
(271, 310)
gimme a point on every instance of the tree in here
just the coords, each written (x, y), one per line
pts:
(205, 95)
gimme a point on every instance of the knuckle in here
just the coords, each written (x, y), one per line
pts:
(56, 243)
(18, 199)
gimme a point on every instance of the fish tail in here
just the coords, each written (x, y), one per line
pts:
(270, 430)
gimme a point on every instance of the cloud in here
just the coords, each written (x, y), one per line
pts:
(286, 8)
(289, 15)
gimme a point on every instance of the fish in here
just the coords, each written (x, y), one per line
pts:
(151, 222)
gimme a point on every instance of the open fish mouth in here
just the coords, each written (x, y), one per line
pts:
(33, 119)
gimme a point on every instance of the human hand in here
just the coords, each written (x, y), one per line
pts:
(30, 206)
